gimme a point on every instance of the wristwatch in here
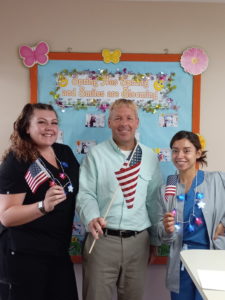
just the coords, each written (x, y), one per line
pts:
(42, 207)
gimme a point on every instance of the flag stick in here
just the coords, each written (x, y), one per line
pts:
(111, 201)
(105, 216)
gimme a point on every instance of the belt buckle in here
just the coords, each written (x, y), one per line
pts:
(121, 232)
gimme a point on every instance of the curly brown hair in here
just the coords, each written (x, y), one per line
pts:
(21, 143)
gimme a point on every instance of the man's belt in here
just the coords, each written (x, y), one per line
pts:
(121, 233)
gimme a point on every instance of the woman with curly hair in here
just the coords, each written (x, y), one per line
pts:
(38, 186)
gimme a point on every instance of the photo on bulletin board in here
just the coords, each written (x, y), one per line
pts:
(82, 86)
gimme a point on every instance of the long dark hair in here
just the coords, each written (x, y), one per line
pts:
(194, 139)
(22, 145)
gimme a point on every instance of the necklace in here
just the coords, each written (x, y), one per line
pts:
(193, 219)
(67, 186)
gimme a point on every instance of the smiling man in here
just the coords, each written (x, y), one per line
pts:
(119, 179)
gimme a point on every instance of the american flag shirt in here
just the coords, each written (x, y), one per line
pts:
(127, 176)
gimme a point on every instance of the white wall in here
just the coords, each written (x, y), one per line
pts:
(142, 27)
(90, 26)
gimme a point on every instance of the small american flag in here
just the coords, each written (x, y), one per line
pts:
(36, 175)
(127, 176)
(171, 186)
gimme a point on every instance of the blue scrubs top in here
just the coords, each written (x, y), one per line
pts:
(194, 235)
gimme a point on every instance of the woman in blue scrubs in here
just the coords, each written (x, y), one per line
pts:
(192, 211)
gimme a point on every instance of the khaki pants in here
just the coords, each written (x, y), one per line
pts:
(115, 262)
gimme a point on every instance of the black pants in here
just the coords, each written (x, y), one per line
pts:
(4, 291)
(36, 277)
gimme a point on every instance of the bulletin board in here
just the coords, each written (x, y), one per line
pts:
(81, 87)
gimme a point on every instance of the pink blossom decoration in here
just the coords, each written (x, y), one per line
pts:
(194, 61)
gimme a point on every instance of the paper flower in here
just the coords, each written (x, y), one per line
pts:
(33, 55)
(194, 61)
(202, 141)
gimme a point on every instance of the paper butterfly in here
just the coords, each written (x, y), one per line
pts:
(111, 56)
(33, 55)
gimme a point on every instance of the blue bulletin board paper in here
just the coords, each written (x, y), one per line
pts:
(173, 108)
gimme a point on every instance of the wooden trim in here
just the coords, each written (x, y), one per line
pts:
(150, 57)
(33, 84)
(196, 103)
(74, 56)
(124, 57)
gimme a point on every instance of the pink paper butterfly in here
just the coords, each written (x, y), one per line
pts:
(33, 55)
